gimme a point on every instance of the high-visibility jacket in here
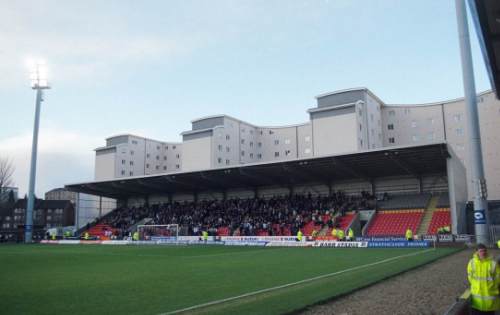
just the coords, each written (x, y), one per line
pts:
(340, 234)
(498, 243)
(350, 233)
(334, 232)
(409, 234)
(484, 278)
(299, 235)
(86, 235)
(135, 236)
(315, 233)
(205, 235)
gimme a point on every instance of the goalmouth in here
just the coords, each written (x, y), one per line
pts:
(160, 232)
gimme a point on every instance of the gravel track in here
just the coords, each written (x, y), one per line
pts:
(429, 289)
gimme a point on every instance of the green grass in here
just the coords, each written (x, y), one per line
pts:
(99, 279)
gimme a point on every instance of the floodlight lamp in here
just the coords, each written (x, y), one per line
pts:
(38, 74)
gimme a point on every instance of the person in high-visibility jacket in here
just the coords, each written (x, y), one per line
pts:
(484, 277)
(334, 232)
(409, 235)
(86, 235)
(299, 236)
(204, 234)
(498, 243)
(340, 234)
(135, 236)
(350, 234)
(314, 234)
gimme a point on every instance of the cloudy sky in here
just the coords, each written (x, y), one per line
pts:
(150, 67)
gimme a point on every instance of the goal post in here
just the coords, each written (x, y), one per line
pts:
(159, 232)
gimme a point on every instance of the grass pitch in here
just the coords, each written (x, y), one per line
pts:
(99, 279)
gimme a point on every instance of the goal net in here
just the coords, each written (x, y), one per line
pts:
(165, 232)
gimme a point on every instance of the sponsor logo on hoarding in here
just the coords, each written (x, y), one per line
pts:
(479, 216)
(340, 244)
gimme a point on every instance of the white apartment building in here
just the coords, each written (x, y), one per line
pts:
(344, 121)
(128, 155)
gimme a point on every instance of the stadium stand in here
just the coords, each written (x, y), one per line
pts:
(253, 216)
(395, 222)
(440, 218)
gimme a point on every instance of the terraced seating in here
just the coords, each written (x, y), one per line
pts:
(343, 222)
(99, 230)
(395, 222)
(441, 217)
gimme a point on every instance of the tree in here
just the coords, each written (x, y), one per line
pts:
(6, 172)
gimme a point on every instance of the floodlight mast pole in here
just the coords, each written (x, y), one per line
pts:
(28, 228)
(481, 215)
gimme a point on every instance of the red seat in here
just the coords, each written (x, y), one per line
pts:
(395, 222)
(441, 217)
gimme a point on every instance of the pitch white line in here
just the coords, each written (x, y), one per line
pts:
(293, 283)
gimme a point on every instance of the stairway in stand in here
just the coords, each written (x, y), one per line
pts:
(426, 220)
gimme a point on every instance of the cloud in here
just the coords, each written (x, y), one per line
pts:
(63, 157)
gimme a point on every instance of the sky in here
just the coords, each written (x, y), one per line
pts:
(150, 67)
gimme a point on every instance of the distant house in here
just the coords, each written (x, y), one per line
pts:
(47, 214)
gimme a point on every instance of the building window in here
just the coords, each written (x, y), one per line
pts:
(276, 154)
(261, 132)
(123, 161)
(407, 111)
(157, 167)
(259, 144)
(361, 142)
(287, 152)
(457, 117)
(227, 162)
(243, 130)
(131, 152)
(147, 165)
(413, 124)
(157, 147)
(219, 160)
(177, 156)
(174, 147)
(131, 163)
(360, 112)
(157, 157)
(131, 173)
(271, 132)
(251, 155)
(307, 151)
(307, 138)
(164, 168)
(134, 142)
(242, 141)
(242, 153)
(360, 127)
(147, 155)
(392, 113)
(228, 149)
(371, 117)
(276, 142)
(123, 172)
(391, 140)
(287, 141)
(459, 131)
(227, 137)
(166, 148)
(259, 156)
(165, 158)
(390, 126)
(219, 147)
(251, 144)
